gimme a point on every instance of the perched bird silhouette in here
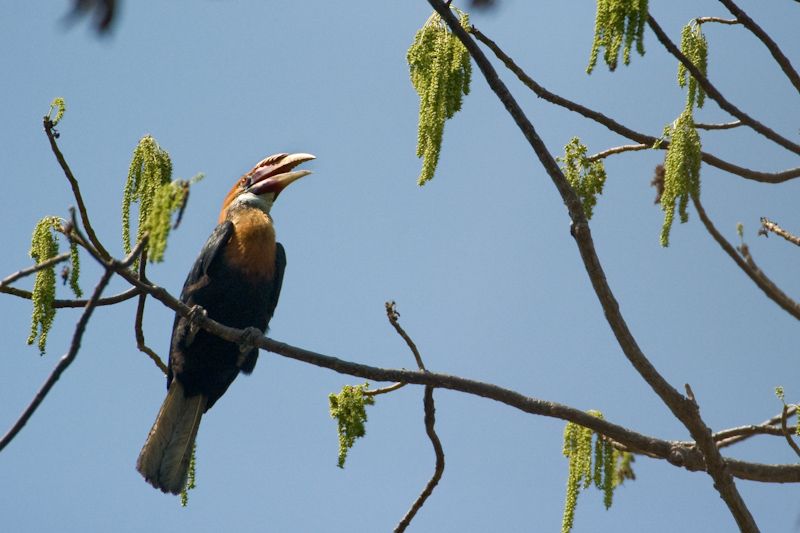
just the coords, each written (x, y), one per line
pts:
(236, 280)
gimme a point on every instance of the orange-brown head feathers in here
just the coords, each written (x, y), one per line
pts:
(259, 187)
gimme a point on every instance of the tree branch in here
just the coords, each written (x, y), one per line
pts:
(619, 150)
(67, 359)
(723, 126)
(712, 91)
(11, 278)
(616, 127)
(767, 226)
(785, 430)
(59, 304)
(773, 48)
(430, 420)
(727, 437)
(684, 409)
(76, 190)
(719, 20)
(137, 327)
(748, 267)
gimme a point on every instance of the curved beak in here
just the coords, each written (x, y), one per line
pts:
(275, 173)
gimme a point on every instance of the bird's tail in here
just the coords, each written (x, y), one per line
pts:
(165, 456)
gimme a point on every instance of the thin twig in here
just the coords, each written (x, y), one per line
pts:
(616, 127)
(684, 410)
(137, 328)
(33, 269)
(111, 300)
(767, 225)
(713, 93)
(727, 437)
(748, 267)
(393, 315)
(773, 48)
(430, 419)
(719, 20)
(67, 359)
(76, 190)
(789, 439)
(384, 390)
(721, 126)
(619, 150)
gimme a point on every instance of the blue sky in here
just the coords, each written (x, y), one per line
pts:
(480, 262)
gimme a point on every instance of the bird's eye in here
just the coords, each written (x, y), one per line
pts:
(247, 182)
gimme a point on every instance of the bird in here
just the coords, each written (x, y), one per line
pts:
(236, 280)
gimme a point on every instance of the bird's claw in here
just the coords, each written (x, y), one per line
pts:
(196, 316)
(247, 342)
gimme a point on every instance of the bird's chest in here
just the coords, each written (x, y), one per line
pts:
(251, 248)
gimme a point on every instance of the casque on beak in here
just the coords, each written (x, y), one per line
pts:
(274, 173)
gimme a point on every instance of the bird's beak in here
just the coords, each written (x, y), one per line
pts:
(274, 173)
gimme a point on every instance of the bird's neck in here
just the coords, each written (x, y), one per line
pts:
(251, 248)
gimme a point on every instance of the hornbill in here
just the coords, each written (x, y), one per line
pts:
(236, 280)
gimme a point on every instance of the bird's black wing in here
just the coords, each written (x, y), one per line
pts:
(196, 281)
(280, 266)
(198, 275)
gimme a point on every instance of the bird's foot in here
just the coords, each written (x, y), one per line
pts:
(196, 315)
(246, 344)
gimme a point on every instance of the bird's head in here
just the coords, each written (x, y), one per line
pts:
(259, 187)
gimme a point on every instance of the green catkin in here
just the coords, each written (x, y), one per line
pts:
(590, 464)
(586, 177)
(440, 70)
(149, 185)
(44, 246)
(191, 480)
(695, 47)
(681, 172)
(60, 108)
(617, 23)
(349, 409)
(151, 169)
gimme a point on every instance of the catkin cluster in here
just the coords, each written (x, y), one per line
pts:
(681, 171)
(440, 71)
(586, 177)
(349, 409)
(695, 47)
(44, 246)
(618, 22)
(149, 183)
(599, 464)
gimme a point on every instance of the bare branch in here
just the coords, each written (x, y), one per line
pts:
(727, 437)
(618, 150)
(67, 359)
(684, 410)
(748, 266)
(703, 20)
(430, 419)
(58, 304)
(33, 269)
(712, 91)
(789, 439)
(773, 48)
(137, 328)
(76, 190)
(393, 315)
(616, 127)
(767, 225)
(384, 390)
(722, 126)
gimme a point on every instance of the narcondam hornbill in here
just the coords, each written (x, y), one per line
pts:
(237, 281)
